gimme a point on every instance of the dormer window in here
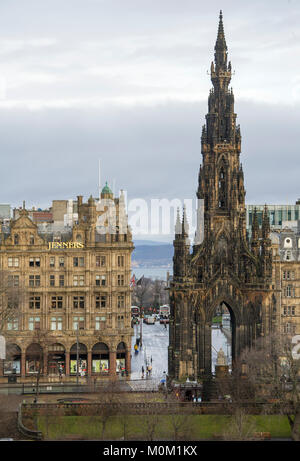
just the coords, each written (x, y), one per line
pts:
(16, 239)
(288, 255)
(288, 243)
(31, 239)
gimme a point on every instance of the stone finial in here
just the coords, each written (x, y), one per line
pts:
(185, 224)
(178, 224)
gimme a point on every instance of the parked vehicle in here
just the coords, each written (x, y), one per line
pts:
(135, 311)
(164, 311)
(149, 320)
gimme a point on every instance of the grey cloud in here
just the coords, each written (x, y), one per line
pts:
(152, 152)
(146, 53)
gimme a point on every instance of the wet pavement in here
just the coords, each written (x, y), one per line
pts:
(218, 341)
(155, 347)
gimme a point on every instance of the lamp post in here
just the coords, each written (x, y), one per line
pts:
(141, 328)
(77, 354)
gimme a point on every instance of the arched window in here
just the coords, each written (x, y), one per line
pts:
(100, 358)
(222, 188)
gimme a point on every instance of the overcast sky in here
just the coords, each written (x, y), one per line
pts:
(126, 81)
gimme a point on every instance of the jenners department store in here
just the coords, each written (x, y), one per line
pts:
(75, 299)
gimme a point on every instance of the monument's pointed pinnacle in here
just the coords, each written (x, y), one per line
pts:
(185, 225)
(221, 42)
(178, 223)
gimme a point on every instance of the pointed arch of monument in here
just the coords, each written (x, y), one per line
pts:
(235, 319)
(222, 160)
(230, 303)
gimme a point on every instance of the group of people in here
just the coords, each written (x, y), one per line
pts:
(137, 345)
(148, 369)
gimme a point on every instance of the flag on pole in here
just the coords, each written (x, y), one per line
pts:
(132, 281)
(140, 281)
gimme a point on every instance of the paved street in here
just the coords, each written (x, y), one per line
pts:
(219, 340)
(155, 345)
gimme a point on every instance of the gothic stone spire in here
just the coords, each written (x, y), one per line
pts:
(221, 47)
(220, 120)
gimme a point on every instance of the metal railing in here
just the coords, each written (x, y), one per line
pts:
(94, 408)
(122, 385)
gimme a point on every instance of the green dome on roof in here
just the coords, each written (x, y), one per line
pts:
(106, 189)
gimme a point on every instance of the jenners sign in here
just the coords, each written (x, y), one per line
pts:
(64, 245)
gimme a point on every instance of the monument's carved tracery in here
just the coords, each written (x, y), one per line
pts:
(224, 267)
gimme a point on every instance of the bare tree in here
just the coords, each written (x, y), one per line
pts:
(273, 369)
(241, 427)
(141, 291)
(110, 400)
(160, 294)
(40, 342)
(123, 416)
(11, 295)
(181, 426)
(150, 422)
(238, 397)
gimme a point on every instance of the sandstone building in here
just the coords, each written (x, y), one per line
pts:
(76, 284)
(286, 276)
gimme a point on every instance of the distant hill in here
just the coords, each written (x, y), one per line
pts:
(152, 255)
(149, 242)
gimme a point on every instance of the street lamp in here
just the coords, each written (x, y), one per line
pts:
(80, 325)
(141, 327)
(77, 355)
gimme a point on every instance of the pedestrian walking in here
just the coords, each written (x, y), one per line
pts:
(151, 359)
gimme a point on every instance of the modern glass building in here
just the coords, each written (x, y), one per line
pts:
(280, 215)
(4, 211)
